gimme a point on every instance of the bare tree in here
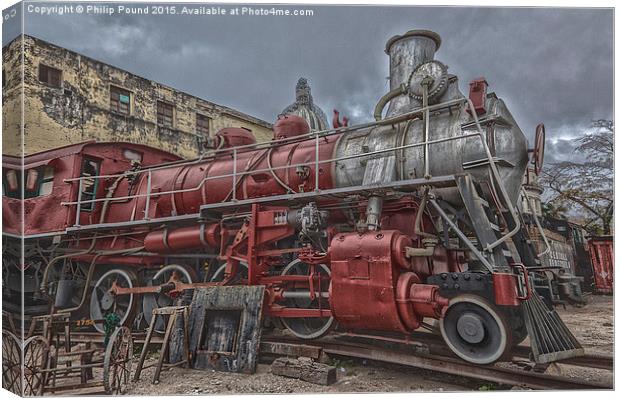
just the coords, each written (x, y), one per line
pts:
(586, 187)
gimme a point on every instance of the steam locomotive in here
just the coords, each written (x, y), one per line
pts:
(378, 227)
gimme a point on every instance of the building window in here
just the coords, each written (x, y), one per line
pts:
(120, 100)
(50, 76)
(202, 125)
(164, 114)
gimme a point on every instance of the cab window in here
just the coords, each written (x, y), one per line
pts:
(11, 184)
(90, 168)
(39, 182)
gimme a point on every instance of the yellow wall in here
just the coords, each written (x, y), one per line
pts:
(80, 109)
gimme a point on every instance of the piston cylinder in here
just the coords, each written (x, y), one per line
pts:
(371, 286)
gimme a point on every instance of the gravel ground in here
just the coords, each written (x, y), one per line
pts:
(592, 324)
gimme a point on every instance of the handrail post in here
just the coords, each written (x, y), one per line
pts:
(234, 187)
(79, 203)
(148, 195)
(316, 163)
(426, 116)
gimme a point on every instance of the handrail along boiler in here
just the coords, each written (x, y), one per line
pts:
(370, 227)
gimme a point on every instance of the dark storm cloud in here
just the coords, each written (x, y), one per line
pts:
(551, 65)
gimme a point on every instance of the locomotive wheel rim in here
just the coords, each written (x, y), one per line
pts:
(36, 358)
(11, 363)
(465, 313)
(289, 323)
(218, 275)
(95, 309)
(117, 361)
(151, 301)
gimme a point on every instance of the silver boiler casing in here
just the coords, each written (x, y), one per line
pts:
(506, 141)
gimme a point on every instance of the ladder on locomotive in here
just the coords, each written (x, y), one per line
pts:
(550, 338)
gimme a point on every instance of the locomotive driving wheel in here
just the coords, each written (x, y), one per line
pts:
(220, 273)
(103, 301)
(475, 330)
(117, 361)
(152, 301)
(308, 327)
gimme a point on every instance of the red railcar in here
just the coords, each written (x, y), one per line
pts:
(601, 250)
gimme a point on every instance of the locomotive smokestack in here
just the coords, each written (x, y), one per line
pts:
(407, 52)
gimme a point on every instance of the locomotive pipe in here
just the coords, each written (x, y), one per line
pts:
(462, 236)
(91, 270)
(373, 212)
(104, 210)
(383, 101)
(418, 217)
(166, 240)
(304, 294)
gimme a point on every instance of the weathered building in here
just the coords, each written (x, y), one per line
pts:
(70, 98)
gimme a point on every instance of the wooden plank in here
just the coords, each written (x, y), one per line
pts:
(304, 369)
(290, 349)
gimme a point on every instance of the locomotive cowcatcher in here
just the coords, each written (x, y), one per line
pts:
(380, 227)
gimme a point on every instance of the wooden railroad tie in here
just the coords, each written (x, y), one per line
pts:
(173, 312)
(304, 369)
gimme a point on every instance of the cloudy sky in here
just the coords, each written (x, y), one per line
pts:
(550, 65)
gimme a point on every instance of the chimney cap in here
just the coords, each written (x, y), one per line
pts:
(415, 32)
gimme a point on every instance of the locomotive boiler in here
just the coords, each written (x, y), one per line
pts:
(377, 227)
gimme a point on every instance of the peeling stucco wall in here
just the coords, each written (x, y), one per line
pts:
(80, 109)
(11, 99)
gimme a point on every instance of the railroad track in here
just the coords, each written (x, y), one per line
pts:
(419, 354)
(423, 351)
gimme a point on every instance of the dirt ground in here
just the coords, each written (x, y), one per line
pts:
(592, 324)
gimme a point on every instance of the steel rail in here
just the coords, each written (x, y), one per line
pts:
(437, 345)
(449, 365)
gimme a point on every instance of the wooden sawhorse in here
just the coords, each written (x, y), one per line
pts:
(174, 312)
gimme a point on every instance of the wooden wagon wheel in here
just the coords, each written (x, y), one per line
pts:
(36, 358)
(117, 361)
(11, 363)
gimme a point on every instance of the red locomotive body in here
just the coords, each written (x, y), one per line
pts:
(375, 227)
(45, 189)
